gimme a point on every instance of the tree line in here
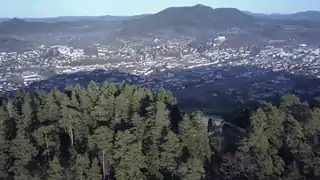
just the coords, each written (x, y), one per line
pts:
(108, 132)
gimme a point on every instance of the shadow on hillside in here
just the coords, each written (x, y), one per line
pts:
(214, 90)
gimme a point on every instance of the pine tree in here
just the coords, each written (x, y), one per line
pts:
(127, 90)
(69, 119)
(11, 121)
(4, 145)
(86, 105)
(159, 126)
(55, 170)
(293, 173)
(11, 109)
(47, 114)
(194, 136)
(121, 110)
(289, 100)
(23, 152)
(274, 124)
(312, 126)
(27, 119)
(128, 157)
(108, 89)
(161, 121)
(191, 170)
(22, 149)
(103, 140)
(170, 152)
(160, 95)
(103, 110)
(93, 92)
(138, 126)
(135, 101)
(256, 144)
(151, 141)
(94, 171)
(81, 166)
(295, 142)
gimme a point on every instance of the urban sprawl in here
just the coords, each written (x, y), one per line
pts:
(172, 64)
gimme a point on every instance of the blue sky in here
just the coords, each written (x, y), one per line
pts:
(53, 8)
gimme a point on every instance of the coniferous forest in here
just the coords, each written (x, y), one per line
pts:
(129, 133)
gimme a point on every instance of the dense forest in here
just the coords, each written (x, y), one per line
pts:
(124, 132)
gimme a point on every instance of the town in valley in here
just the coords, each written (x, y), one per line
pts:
(229, 63)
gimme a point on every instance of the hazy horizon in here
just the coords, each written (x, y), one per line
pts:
(60, 8)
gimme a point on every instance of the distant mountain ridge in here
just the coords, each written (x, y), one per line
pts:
(64, 24)
(187, 20)
(304, 15)
(197, 17)
(16, 25)
(77, 18)
(179, 19)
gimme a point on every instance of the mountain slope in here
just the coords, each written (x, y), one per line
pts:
(16, 25)
(61, 24)
(305, 15)
(309, 15)
(197, 17)
(11, 44)
(4, 19)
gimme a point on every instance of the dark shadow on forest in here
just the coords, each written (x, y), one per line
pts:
(223, 90)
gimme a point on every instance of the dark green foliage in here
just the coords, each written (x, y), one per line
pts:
(128, 157)
(55, 170)
(100, 132)
(283, 141)
(128, 133)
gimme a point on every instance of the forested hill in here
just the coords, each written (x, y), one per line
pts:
(128, 133)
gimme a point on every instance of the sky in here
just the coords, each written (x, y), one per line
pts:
(54, 8)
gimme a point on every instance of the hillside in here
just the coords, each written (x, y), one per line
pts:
(11, 44)
(4, 19)
(307, 15)
(15, 25)
(22, 27)
(304, 15)
(196, 17)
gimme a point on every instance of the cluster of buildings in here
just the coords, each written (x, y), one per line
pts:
(176, 64)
